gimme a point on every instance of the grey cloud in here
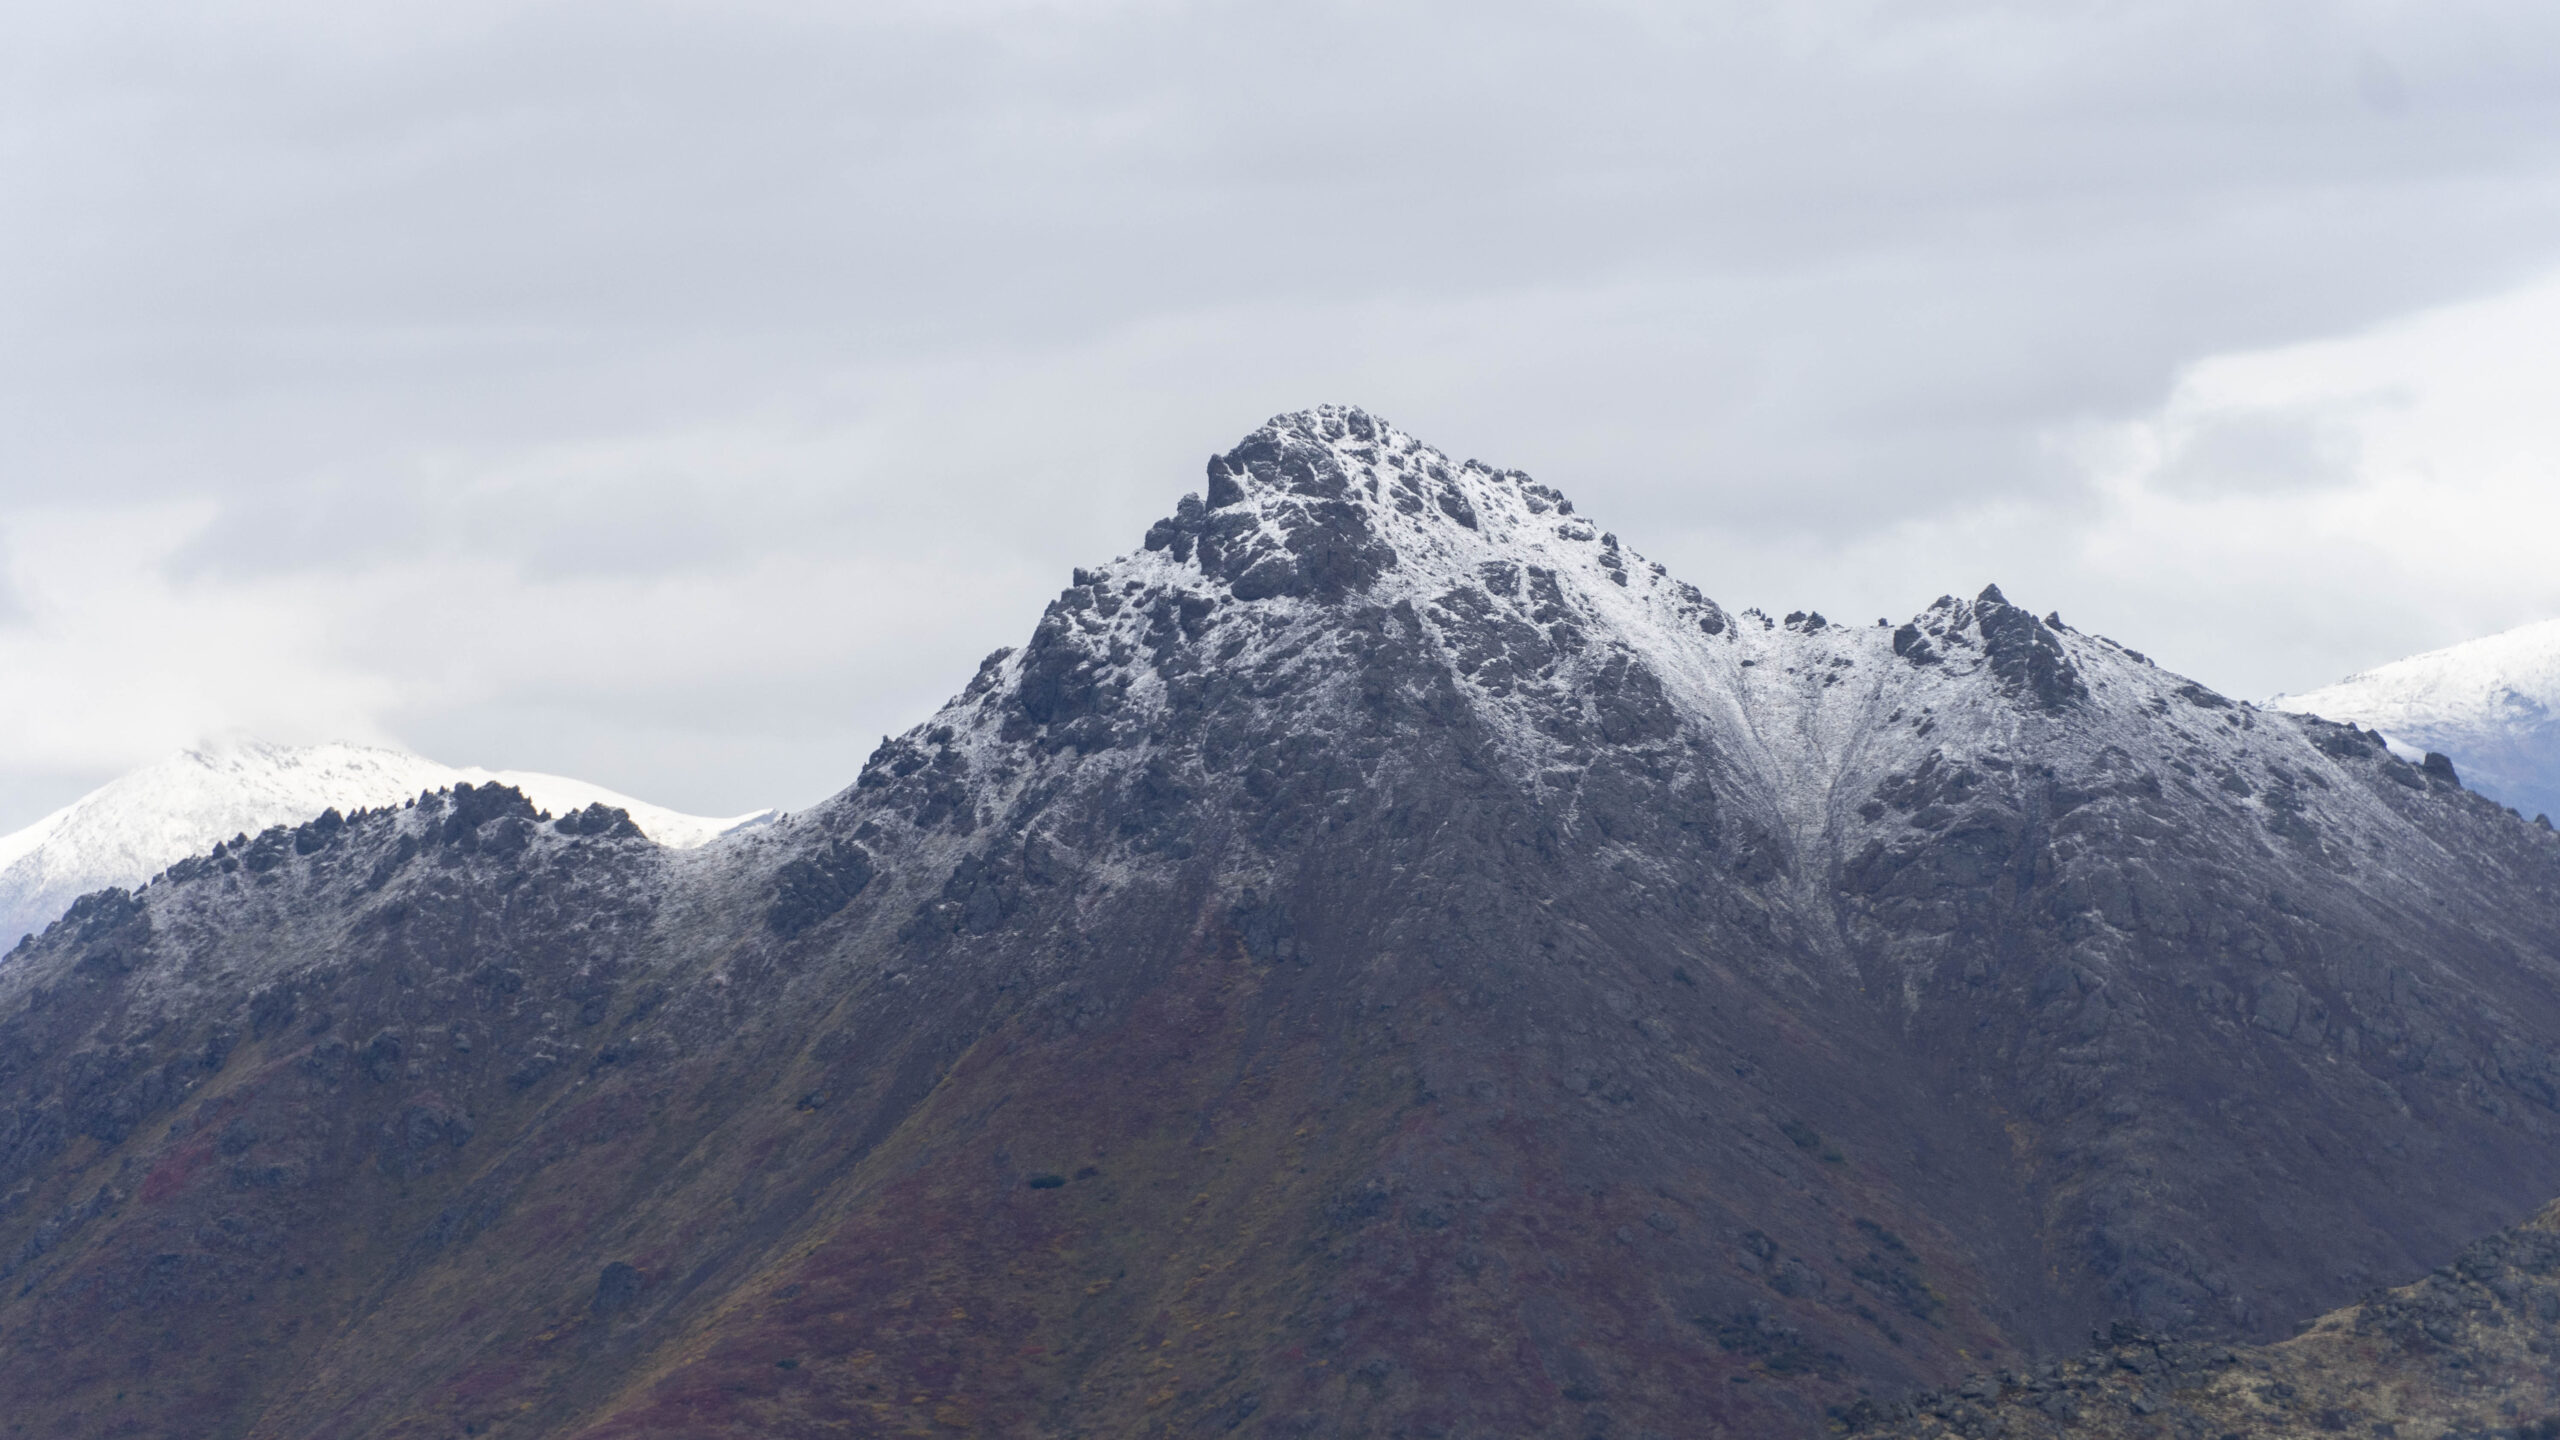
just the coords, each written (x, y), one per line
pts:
(2379, 85)
(572, 221)
(27, 795)
(13, 603)
(2261, 452)
(663, 291)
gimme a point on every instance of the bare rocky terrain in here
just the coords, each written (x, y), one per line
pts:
(1382, 959)
(2471, 1349)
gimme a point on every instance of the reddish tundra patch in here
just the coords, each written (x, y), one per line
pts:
(173, 1174)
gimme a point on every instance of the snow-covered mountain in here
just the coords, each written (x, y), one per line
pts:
(130, 828)
(2491, 705)
(1382, 957)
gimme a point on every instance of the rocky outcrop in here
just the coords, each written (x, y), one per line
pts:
(2470, 1349)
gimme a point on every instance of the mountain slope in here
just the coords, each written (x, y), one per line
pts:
(1382, 959)
(125, 831)
(2471, 1349)
(2492, 705)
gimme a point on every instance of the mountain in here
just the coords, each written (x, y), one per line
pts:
(2473, 1348)
(2492, 706)
(1382, 959)
(125, 831)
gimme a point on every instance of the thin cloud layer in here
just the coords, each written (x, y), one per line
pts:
(681, 396)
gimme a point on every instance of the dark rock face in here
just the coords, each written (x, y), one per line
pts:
(617, 1289)
(2025, 653)
(1382, 959)
(599, 819)
(813, 887)
(1323, 547)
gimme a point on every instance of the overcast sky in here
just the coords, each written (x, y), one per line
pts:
(681, 396)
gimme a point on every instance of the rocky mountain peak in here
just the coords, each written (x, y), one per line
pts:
(1318, 504)
(2025, 653)
(1321, 533)
(1344, 584)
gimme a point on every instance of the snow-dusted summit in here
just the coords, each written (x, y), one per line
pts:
(130, 828)
(2492, 705)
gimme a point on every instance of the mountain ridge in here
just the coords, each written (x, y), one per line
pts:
(128, 829)
(1383, 957)
(2492, 705)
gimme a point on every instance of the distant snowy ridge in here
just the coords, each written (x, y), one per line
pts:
(2492, 705)
(131, 828)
